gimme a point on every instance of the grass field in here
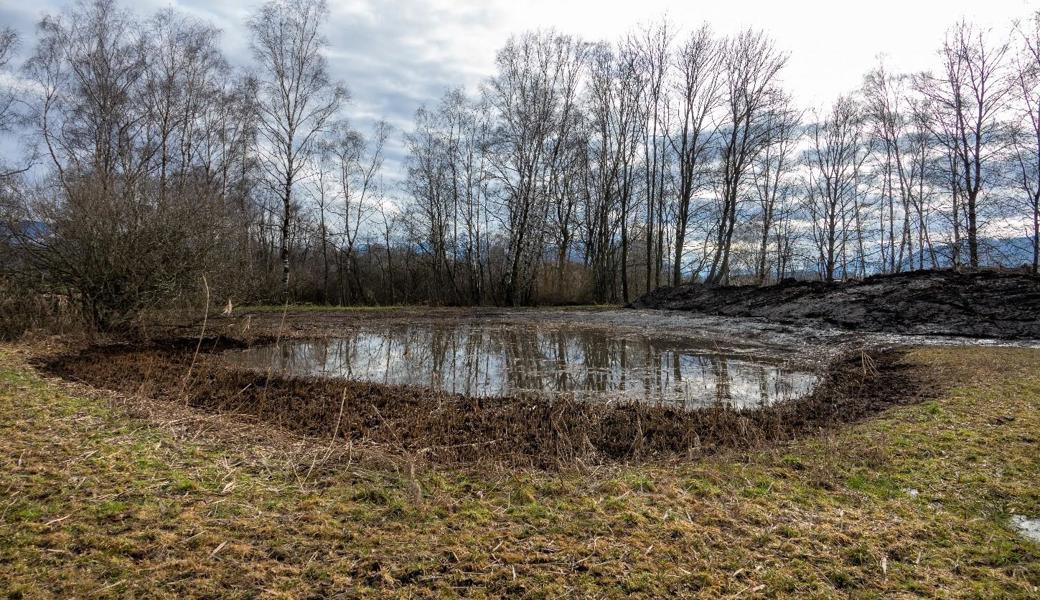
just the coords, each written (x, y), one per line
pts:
(110, 496)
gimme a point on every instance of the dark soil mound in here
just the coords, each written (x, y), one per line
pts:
(997, 304)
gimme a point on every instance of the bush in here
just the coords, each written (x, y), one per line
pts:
(117, 252)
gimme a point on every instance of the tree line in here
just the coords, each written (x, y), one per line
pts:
(577, 172)
(669, 157)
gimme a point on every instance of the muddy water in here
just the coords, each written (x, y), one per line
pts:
(517, 359)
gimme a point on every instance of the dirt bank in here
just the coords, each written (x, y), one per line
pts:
(991, 304)
(450, 428)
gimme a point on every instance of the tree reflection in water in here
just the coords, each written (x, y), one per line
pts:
(511, 360)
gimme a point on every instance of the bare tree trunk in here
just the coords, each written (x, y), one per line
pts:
(283, 247)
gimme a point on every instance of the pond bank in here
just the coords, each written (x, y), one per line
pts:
(449, 428)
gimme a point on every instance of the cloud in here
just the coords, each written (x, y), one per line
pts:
(397, 56)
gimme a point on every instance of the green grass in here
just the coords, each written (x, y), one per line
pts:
(102, 501)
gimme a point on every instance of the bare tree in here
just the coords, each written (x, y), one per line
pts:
(296, 98)
(113, 241)
(8, 45)
(654, 45)
(323, 189)
(534, 96)
(471, 179)
(772, 174)
(8, 96)
(570, 189)
(1026, 136)
(751, 64)
(834, 160)
(432, 188)
(897, 125)
(967, 100)
(88, 67)
(182, 85)
(357, 165)
(698, 93)
(615, 86)
(573, 159)
(389, 222)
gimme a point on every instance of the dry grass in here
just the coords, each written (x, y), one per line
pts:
(451, 429)
(109, 496)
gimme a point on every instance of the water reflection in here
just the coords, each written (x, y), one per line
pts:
(483, 360)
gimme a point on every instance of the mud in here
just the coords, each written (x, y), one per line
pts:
(442, 427)
(981, 304)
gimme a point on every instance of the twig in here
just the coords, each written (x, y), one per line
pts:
(277, 343)
(332, 441)
(111, 585)
(58, 520)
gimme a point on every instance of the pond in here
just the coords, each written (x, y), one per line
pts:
(522, 359)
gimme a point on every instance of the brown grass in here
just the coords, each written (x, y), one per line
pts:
(448, 428)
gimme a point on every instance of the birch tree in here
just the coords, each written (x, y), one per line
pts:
(534, 97)
(8, 96)
(772, 174)
(296, 97)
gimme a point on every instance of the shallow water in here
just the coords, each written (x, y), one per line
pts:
(521, 359)
(1028, 528)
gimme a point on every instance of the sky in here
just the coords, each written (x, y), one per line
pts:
(396, 55)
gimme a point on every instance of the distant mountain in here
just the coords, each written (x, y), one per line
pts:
(22, 229)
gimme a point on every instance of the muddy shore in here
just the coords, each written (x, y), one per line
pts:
(450, 428)
(980, 304)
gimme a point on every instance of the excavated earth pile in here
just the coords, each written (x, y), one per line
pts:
(991, 304)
